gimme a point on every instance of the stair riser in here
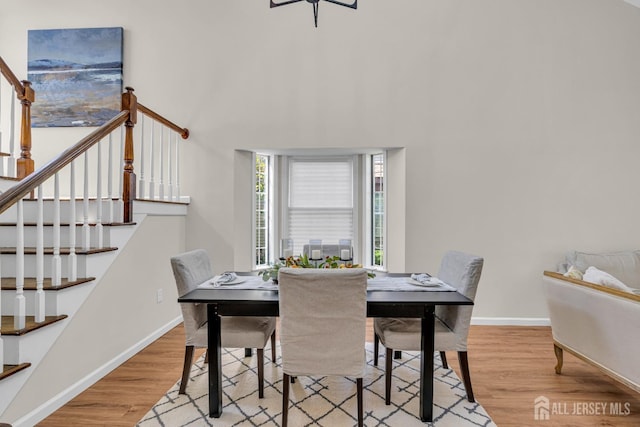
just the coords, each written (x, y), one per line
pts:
(64, 301)
(8, 236)
(20, 349)
(9, 264)
(30, 211)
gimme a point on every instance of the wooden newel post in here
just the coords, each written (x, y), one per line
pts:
(25, 162)
(129, 103)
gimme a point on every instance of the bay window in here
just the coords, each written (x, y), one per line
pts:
(330, 198)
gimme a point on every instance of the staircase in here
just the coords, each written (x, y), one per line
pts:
(26, 348)
(83, 279)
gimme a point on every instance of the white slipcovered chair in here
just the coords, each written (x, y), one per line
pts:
(461, 271)
(190, 269)
(322, 326)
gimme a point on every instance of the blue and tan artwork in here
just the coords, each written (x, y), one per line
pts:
(76, 75)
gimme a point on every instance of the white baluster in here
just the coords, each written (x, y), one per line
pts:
(99, 230)
(110, 182)
(19, 310)
(86, 236)
(161, 183)
(121, 175)
(152, 184)
(72, 272)
(56, 261)
(11, 161)
(177, 170)
(142, 185)
(170, 166)
(39, 300)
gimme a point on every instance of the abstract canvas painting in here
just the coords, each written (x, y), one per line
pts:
(76, 75)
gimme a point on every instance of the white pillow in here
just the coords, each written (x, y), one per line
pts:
(603, 278)
(574, 273)
(624, 265)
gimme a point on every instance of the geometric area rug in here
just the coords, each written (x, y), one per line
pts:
(316, 401)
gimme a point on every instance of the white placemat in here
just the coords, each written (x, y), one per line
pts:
(407, 284)
(242, 282)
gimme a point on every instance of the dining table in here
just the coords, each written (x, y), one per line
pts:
(390, 295)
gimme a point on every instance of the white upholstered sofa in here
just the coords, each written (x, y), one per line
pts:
(596, 316)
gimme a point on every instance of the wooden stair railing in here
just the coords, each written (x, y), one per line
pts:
(26, 96)
(30, 183)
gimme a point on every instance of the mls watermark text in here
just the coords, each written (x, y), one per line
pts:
(544, 409)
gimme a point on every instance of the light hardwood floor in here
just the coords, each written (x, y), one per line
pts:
(510, 367)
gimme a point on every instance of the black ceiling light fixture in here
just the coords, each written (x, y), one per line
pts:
(353, 5)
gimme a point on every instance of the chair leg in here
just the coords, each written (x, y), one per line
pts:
(360, 403)
(397, 354)
(466, 378)
(388, 363)
(376, 343)
(247, 352)
(285, 399)
(443, 357)
(188, 359)
(273, 347)
(206, 356)
(260, 363)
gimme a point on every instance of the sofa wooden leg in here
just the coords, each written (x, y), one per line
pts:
(558, 351)
(466, 377)
(186, 369)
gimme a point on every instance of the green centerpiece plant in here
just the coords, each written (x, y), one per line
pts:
(302, 261)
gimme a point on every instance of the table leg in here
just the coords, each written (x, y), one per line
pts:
(215, 361)
(426, 360)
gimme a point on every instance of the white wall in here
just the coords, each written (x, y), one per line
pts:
(519, 118)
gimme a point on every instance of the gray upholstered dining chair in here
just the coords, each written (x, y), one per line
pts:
(322, 326)
(192, 268)
(461, 271)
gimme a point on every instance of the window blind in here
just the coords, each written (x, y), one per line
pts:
(320, 202)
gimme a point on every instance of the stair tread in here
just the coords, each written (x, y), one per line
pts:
(9, 283)
(30, 324)
(66, 224)
(174, 202)
(8, 370)
(63, 251)
(66, 199)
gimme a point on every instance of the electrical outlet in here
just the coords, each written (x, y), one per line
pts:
(159, 296)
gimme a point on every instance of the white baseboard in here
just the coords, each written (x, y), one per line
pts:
(511, 321)
(55, 403)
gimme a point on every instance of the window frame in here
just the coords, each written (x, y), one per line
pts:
(283, 214)
(363, 235)
(269, 211)
(369, 212)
